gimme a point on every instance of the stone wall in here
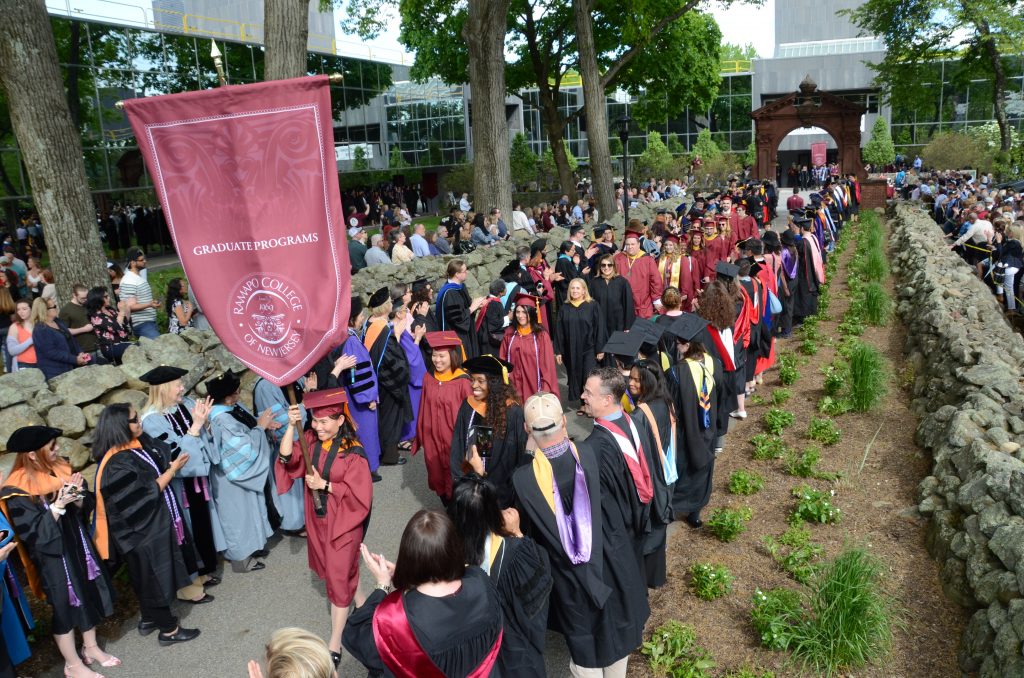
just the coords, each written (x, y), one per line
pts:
(966, 367)
(484, 263)
(73, 401)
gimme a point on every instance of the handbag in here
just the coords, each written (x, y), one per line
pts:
(774, 305)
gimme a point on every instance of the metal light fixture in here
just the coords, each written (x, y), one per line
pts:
(623, 126)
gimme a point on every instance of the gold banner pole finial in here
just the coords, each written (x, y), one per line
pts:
(218, 62)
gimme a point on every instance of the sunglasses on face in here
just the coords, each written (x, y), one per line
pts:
(607, 266)
(134, 420)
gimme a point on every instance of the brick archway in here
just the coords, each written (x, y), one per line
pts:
(808, 107)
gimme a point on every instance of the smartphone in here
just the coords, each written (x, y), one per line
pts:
(5, 537)
(483, 438)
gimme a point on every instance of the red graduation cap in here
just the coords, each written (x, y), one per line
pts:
(328, 402)
(526, 300)
(672, 237)
(446, 339)
(632, 234)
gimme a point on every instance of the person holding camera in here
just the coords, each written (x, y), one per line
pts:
(47, 504)
(489, 438)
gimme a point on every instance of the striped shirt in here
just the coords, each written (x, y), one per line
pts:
(135, 286)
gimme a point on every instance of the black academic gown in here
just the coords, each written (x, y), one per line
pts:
(141, 528)
(508, 452)
(805, 288)
(600, 606)
(58, 551)
(731, 385)
(456, 632)
(492, 329)
(661, 503)
(615, 297)
(394, 409)
(455, 316)
(580, 333)
(695, 444)
(430, 323)
(521, 574)
(569, 270)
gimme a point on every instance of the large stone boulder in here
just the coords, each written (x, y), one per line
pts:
(92, 413)
(136, 399)
(86, 384)
(68, 418)
(77, 454)
(26, 380)
(14, 417)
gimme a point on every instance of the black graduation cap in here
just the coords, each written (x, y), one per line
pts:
(220, 387)
(687, 326)
(726, 270)
(419, 284)
(511, 269)
(651, 330)
(162, 375)
(489, 365)
(600, 229)
(787, 238)
(755, 266)
(356, 308)
(624, 344)
(578, 228)
(379, 297)
(32, 438)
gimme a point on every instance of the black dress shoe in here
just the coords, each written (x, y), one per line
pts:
(146, 628)
(401, 460)
(207, 598)
(212, 580)
(262, 553)
(694, 522)
(181, 636)
(376, 477)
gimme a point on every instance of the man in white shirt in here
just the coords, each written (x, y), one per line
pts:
(420, 246)
(520, 222)
(464, 203)
(980, 234)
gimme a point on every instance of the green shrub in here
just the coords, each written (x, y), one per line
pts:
(780, 396)
(844, 622)
(747, 671)
(808, 347)
(788, 373)
(673, 651)
(833, 407)
(814, 506)
(809, 330)
(824, 299)
(824, 431)
(710, 581)
(795, 553)
(757, 399)
(768, 447)
(875, 304)
(868, 374)
(805, 464)
(745, 482)
(835, 379)
(727, 524)
(776, 420)
(852, 325)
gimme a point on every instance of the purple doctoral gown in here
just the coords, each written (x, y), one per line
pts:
(417, 370)
(360, 383)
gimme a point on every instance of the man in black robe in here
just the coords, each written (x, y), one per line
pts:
(393, 374)
(599, 600)
(455, 309)
(807, 287)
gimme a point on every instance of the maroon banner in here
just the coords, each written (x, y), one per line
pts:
(248, 182)
(819, 152)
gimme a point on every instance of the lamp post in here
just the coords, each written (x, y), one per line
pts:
(623, 125)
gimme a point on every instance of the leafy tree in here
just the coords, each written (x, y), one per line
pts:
(750, 157)
(615, 147)
(918, 33)
(523, 161)
(954, 150)
(733, 52)
(880, 150)
(435, 153)
(656, 160)
(549, 166)
(705, 147)
(359, 161)
(675, 147)
(395, 160)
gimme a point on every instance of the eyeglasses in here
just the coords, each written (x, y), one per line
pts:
(134, 420)
(607, 266)
(52, 308)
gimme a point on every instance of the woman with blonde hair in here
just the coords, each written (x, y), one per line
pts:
(19, 343)
(170, 416)
(56, 350)
(579, 334)
(7, 309)
(682, 273)
(295, 653)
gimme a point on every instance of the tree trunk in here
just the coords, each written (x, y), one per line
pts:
(50, 145)
(597, 112)
(74, 58)
(484, 33)
(554, 126)
(998, 86)
(285, 34)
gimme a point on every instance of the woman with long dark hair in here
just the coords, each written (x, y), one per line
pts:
(489, 438)
(340, 478)
(428, 608)
(615, 297)
(519, 570)
(527, 345)
(140, 519)
(48, 505)
(179, 309)
(445, 387)
(112, 328)
(719, 309)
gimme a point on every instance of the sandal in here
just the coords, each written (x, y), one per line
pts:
(405, 445)
(109, 662)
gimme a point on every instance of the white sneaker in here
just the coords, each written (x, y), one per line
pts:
(738, 414)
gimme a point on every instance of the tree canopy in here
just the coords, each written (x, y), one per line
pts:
(880, 151)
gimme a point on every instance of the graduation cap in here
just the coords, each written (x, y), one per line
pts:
(651, 332)
(446, 339)
(419, 284)
(631, 233)
(755, 266)
(220, 387)
(687, 326)
(578, 228)
(672, 237)
(162, 375)
(726, 270)
(787, 238)
(356, 308)
(325, 403)
(624, 344)
(523, 299)
(489, 365)
(511, 269)
(32, 438)
(600, 229)
(379, 297)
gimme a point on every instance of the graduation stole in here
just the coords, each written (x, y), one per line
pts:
(727, 361)
(575, 530)
(702, 373)
(402, 653)
(445, 289)
(633, 453)
(668, 455)
(491, 548)
(670, 271)
(372, 332)
(482, 312)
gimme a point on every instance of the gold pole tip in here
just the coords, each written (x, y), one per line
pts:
(119, 105)
(336, 78)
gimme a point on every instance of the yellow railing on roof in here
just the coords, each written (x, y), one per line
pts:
(735, 66)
